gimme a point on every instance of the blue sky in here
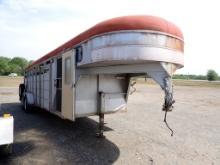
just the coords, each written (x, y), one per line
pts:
(31, 28)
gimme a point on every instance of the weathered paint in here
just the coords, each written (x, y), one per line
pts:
(131, 48)
(126, 23)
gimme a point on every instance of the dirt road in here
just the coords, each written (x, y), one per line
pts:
(137, 136)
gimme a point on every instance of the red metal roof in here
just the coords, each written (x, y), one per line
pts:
(140, 22)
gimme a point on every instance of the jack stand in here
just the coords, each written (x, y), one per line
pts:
(101, 126)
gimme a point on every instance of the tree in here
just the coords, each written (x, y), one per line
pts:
(4, 69)
(212, 75)
(14, 65)
(13, 68)
(18, 64)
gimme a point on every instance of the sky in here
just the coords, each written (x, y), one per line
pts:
(32, 28)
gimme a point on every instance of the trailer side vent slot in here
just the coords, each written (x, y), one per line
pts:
(79, 54)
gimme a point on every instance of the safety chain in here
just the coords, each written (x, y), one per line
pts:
(168, 100)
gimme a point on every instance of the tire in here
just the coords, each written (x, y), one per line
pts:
(6, 149)
(26, 106)
(21, 91)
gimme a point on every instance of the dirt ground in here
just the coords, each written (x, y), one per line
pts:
(137, 136)
(6, 81)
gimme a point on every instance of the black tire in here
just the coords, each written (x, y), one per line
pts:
(6, 149)
(21, 91)
(26, 106)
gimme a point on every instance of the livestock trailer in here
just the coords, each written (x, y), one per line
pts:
(91, 73)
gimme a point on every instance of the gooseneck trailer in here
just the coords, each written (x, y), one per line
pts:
(91, 74)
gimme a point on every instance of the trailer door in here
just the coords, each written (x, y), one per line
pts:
(68, 79)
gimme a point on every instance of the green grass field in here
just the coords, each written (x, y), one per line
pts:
(177, 82)
(201, 83)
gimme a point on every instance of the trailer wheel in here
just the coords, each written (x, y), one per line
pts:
(6, 149)
(26, 106)
(21, 91)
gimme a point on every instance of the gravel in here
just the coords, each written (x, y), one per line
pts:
(135, 136)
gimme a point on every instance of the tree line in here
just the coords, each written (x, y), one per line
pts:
(13, 65)
(18, 64)
(211, 76)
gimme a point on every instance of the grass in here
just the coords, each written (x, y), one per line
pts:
(6, 81)
(178, 82)
(198, 83)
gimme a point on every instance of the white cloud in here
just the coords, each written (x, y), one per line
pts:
(31, 28)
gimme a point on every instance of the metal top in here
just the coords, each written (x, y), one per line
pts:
(140, 22)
